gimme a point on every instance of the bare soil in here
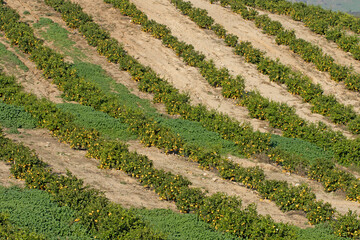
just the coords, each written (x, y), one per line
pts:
(208, 43)
(150, 52)
(32, 80)
(235, 24)
(6, 179)
(118, 186)
(274, 172)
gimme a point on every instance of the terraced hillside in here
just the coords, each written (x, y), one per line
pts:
(172, 119)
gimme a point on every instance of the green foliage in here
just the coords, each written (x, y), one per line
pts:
(194, 133)
(347, 225)
(167, 185)
(53, 32)
(92, 209)
(88, 117)
(300, 147)
(224, 213)
(15, 117)
(95, 74)
(320, 232)
(180, 226)
(35, 210)
(320, 21)
(295, 81)
(8, 231)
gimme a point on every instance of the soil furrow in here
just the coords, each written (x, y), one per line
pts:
(6, 178)
(336, 199)
(328, 47)
(204, 179)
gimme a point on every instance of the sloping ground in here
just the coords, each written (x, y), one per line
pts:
(247, 31)
(211, 182)
(61, 157)
(183, 28)
(118, 186)
(336, 199)
(203, 179)
(151, 52)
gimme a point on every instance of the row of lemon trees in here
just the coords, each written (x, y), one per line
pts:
(280, 115)
(297, 82)
(101, 218)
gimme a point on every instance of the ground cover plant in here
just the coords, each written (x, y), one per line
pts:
(167, 185)
(33, 209)
(9, 57)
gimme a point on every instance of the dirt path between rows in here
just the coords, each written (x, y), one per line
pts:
(271, 171)
(118, 186)
(235, 24)
(211, 182)
(328, 47)
(207, 42)
(6, 179)
(336, 199)
(150, 52)
(32, 80)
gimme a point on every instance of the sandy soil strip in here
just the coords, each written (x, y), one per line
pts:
(211, 182)
(329, 47)
(6, 179)
(205, 41)
(118, 186)
(114, 70)
(336, 199)
(235, 24)
(32, 80)
(150, 52)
